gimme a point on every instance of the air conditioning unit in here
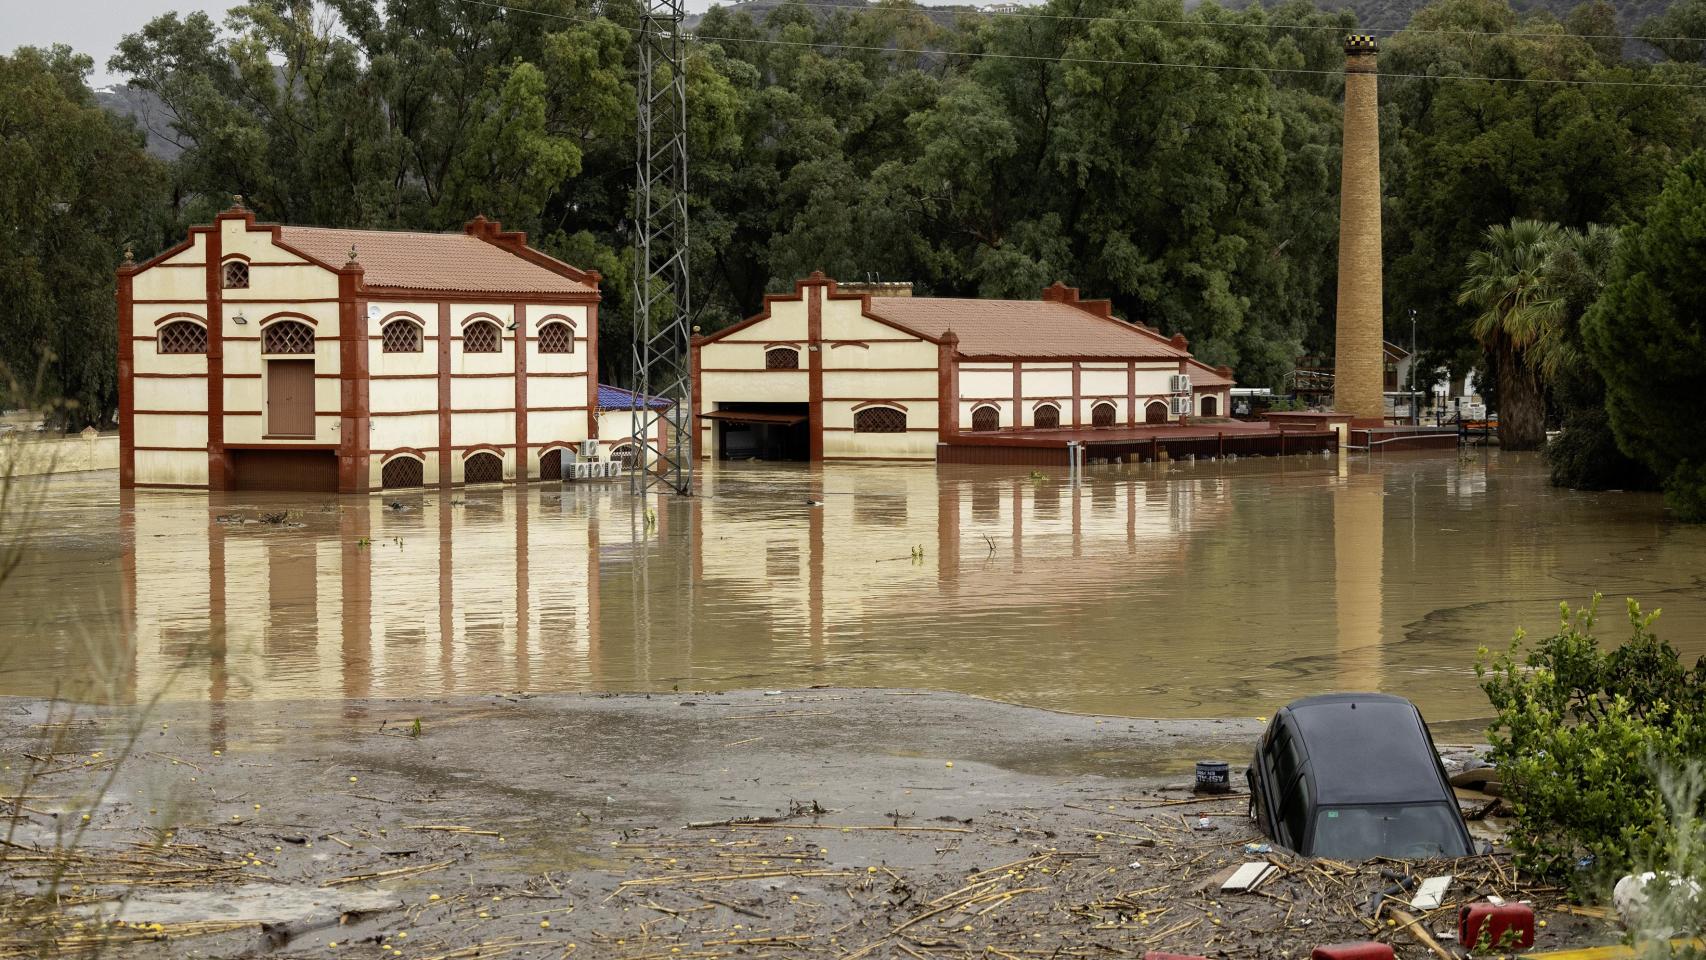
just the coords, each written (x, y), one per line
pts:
(1181, 406)
(594, 470)
(589, 450)
(1179, 383)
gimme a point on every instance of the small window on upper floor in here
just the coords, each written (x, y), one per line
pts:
(481, 336)
(235, 275)
(556, 337)
(781, 358)
(401, 336)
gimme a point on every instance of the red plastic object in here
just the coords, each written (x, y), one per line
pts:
(1367, 950)
(1507, 926)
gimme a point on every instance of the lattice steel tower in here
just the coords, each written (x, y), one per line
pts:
(662, 324)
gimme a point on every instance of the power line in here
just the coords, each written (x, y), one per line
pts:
(1091, 61)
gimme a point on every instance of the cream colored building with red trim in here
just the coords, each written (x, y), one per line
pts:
(261, 356)
(825, 374)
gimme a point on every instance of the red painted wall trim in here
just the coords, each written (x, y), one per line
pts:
(522, 470)
(1077, 391)
(126, 387)
(1018, 393)
(592, 367)
(444, 463)
(354, 435)
(694, 423)
(218, 470)
(814, 335)
(1131, 394)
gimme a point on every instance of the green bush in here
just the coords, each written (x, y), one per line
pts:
(1581, 734)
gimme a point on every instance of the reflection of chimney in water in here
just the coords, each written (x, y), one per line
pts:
(1358, 367)
(1359, 544)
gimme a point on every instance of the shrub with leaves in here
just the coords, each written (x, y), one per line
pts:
(1580, 734)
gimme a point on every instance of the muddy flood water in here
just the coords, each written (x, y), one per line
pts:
(1196, 589)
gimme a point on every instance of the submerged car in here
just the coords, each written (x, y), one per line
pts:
(1353, 776)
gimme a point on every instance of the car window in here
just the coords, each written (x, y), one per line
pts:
(1407, 831)
(1294, 811)
(1285, 762)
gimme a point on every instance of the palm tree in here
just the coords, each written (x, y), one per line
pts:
(1523, 322)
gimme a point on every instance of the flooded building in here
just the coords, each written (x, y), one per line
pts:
(268, 356)
(831, 373)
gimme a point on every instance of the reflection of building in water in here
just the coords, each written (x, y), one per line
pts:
(894, 575)
(364, 600)
(1359, 545)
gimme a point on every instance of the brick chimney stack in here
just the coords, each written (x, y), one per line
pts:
(1358, 362)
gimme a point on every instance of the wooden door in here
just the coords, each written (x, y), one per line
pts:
(290, 398)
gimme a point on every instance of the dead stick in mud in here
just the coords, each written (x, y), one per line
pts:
(772, 716)
(388, 874)
(770, 823)
(451, 828)
(1413, 926)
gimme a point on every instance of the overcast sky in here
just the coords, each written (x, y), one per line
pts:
(87, 26)
(94, 27)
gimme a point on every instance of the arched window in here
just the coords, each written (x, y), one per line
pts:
(879, 420)
(401, 336)
(986, 418)
(781, 358)
(400, 473)
(1156, 412)
(287, 336)
(234, 275)
(1210, 407)
(1046, 417)
(481, 336)
(551, 465)
(181, 336)
(483, 467)
(623, 454)
(556, 337)
(1102, 414)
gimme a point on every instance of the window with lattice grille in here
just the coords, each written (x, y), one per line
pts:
(551, 465)
(401, 336)
(624, 453)
(1156, 412)
(481, 336)
(879, 420)
(986, 418)
(1046, 417)
(235, 275)
(182, 336)
(556, 338)
(483, 468)
(1102, 415)
(782, 358)
(401, 473)
(287, 336)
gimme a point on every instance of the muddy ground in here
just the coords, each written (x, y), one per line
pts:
(895, 824)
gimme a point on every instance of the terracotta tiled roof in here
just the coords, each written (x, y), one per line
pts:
(1203, 375)
(430, 261)
(1024, 328)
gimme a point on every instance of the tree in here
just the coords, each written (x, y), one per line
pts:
(1519, 320)
(77, 188)
(1646, 334)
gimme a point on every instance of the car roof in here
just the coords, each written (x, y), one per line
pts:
(1366, 748)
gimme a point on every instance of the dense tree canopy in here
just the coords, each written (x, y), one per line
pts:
(75, 189)
(1647, 336)
(1180, 159)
